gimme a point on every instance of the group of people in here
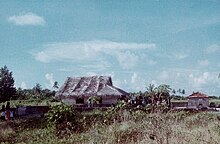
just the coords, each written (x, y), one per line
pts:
(6, 113)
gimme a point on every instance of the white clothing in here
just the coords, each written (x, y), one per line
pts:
(3, 114)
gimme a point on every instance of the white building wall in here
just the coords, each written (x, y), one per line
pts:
(69, 101)
(195, 102)
(105, 100)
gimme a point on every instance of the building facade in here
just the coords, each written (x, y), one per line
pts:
(198, 100)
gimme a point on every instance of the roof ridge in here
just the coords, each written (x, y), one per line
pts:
(90, 83)
(198, 95)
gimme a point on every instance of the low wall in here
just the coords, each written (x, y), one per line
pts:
(179, 104)
(31, 110)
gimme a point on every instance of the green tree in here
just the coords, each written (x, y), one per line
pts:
(151, 93)
(163, 93)
(150, 89)
(183, 91)
(174, 91)
(20, 93)
(55, 85)
(37, 90)
(7, 89)
(47, 94)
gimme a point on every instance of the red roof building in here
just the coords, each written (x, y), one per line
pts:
(198, 100)
(198, 95)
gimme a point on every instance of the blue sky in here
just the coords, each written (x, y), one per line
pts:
(135, 42)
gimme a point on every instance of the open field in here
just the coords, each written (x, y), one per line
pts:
(180, 127)
(34, 102)
(136, 127)
(216, 101)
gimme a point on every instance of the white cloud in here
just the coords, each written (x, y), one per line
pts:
(186, 24)
(203, 62)
(126, 54)
(127, 59)
(41, 56)
(151, 62)
(27, 19)
(206, 81)
(50, 79)
(91, 74)
(212, 49)
(23, 85)
(111, 74)
(175, 55)
(203, 79)
(134, 77)
(164, 75)
(66, 69)
(180, 56)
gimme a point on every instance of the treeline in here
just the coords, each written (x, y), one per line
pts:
(35, 93)
(161, 91)
(9, 92)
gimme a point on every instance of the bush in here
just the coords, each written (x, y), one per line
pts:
(212, 104)
(65, 119)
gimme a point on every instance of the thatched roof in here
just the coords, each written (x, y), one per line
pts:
(89, 86)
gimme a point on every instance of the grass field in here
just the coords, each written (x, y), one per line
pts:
(216, 101)
(154, 128)
(34, 102)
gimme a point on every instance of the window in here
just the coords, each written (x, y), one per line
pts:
(80, 101)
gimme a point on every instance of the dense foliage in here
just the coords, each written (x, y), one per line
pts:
(35, 93)
(7, 89)
(64, 117)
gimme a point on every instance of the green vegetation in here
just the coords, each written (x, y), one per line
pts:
(7, 89)
(32, 102)
(8, 92)
(116, 125)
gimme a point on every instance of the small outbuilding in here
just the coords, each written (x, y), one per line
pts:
(79, 90)
(198, 100)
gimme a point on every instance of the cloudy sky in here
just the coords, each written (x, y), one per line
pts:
(135, 42)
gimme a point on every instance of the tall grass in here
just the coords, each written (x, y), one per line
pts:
(156, 128)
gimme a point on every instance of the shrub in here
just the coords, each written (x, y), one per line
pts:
(117, 112)
(212, 104)
(65, 119)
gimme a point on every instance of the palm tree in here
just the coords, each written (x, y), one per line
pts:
(55, 85)
(183, 91)
(150, 90)
(163, 93)
(150, 94)
(173, 91)
(37, 90)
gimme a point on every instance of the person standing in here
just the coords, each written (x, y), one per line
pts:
(7, 111)
(3, 112)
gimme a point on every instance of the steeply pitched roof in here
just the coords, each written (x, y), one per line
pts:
(89, 86)
(198, 95)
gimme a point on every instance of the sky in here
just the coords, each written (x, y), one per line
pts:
(137, 43)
